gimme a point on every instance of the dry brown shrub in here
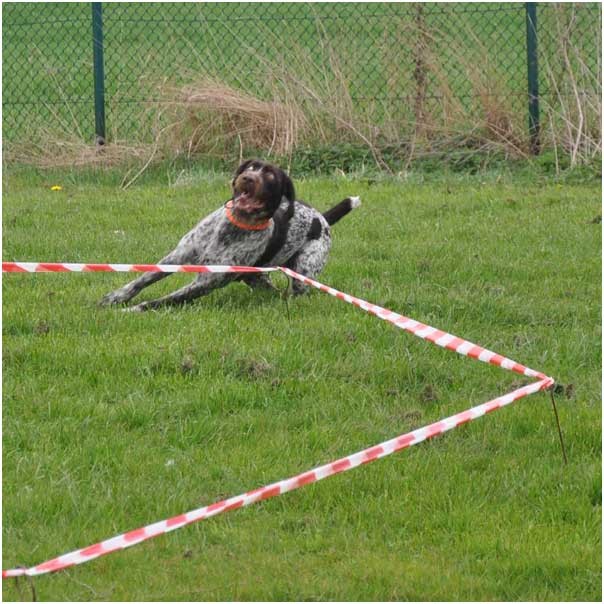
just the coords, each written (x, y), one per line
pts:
(208, 114)
(572, 111)
(483, 114)
(52, 150)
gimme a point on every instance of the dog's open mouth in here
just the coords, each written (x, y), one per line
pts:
(244, 202)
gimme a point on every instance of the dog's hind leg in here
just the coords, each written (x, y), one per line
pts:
(128, 291)
(309, 261)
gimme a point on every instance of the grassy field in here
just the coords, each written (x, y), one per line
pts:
(113, 420)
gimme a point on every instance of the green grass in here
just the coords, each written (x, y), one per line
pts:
(113, 420)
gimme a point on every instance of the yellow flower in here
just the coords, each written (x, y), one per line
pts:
(56, 188)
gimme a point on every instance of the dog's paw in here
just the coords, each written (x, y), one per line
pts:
(355, 202)
(113, 298)
(107, 300)
(142, 307)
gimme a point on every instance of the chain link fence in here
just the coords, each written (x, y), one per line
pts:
(220, 79)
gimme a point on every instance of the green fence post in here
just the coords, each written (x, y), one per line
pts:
(99, 73)
(533, 76)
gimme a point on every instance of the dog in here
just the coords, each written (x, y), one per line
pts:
(261, 225)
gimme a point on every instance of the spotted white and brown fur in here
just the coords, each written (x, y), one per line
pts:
(262, 225)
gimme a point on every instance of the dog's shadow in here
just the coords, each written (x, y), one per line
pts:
(240, 297)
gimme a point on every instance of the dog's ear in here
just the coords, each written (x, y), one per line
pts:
(287, 187)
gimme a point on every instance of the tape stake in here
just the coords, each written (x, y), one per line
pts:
(551, 391)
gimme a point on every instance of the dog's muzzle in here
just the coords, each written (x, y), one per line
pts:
(246, 194)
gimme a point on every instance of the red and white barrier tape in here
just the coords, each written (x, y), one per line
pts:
(421, 330)
(70, 267)
(441, 338)
(344, 464)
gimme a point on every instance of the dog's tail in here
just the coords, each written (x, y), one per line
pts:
(340, 210)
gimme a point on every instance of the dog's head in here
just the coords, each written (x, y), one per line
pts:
(259, 188)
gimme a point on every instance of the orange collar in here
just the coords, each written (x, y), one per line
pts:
(244, 225)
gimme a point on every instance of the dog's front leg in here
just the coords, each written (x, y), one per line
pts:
(128, 291)
(203, 285)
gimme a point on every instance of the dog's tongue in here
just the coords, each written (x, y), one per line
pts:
(245, 203)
